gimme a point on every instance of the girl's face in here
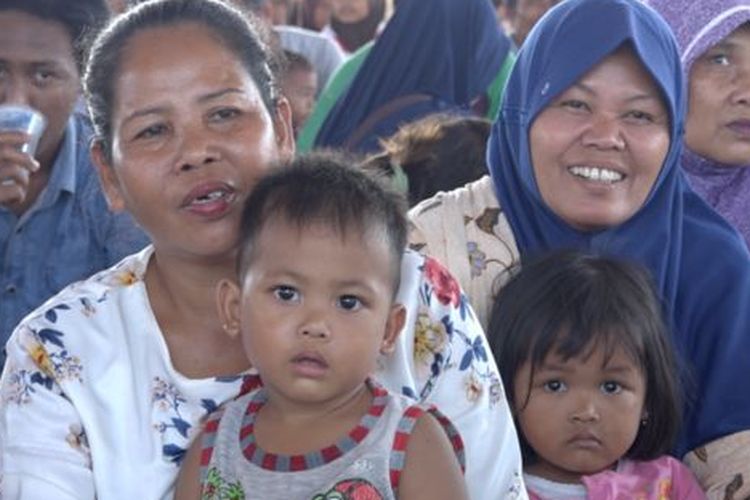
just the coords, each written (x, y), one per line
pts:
(581, 415)
(597, 148)
(718, 120)
(191, 136)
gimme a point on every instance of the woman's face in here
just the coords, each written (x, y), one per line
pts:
(718, 121)
(597, 148)
(190, 138)
(350, 11)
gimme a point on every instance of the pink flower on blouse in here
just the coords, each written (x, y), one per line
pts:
(445, 285)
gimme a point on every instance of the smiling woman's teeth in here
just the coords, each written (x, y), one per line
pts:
(597, 174)
(212, 196)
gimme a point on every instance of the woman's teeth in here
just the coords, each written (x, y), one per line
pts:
(597, 174)
(212, 196)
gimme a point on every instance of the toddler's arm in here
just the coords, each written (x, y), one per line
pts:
(431, 469)
(188, 486)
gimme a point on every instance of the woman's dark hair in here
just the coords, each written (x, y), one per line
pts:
(327, 189)
(237, 31)
(81, 18)
(569, 303)
(440, 152)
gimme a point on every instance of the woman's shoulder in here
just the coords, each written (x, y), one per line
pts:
(475, 197)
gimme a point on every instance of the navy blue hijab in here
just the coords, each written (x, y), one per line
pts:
(447, 51)
(699, 263)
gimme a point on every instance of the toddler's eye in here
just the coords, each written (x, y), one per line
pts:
(349, 302)
(286, 293)
(611, 387)
(554, 386)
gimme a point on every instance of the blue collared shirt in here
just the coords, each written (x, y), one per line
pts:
(68, 234)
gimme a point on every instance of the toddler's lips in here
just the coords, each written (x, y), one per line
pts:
(309, 364)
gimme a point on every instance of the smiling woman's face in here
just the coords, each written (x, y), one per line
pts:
(718, 120)
(598, 147)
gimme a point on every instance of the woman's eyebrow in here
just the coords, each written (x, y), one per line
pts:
(220, 93)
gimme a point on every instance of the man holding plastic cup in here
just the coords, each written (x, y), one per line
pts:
(55, 226)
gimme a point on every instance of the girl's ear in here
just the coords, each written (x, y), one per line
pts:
(283, 129)
(393, 327)
(228, 296)
(109, 181)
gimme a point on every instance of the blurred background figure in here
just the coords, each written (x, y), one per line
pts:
(299, 83)
(520, 16)
(321, 52)
(353, 23)
(437, 153)
(314, 14)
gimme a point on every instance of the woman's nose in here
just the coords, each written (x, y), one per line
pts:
(196, 150)
(741, 92)
(604, 132)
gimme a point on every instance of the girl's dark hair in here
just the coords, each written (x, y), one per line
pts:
(81, 18)
(570, 302)
(235, 30)
(324, 188)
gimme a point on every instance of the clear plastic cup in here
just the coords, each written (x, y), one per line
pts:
(15, 117)
(23, 119)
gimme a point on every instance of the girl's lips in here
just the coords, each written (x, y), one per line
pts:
(211, 200)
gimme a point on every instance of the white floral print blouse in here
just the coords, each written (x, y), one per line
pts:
(91, 407)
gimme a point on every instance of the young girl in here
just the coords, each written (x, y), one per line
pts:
(591, 378)
(319, 266)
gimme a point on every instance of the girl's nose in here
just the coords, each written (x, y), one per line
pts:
(585, 411)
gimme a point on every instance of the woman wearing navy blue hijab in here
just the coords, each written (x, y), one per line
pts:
(577, 164)
(432, 56)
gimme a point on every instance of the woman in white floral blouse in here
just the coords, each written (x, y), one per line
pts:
(107, 383)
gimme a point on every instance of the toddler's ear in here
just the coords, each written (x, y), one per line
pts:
(228, 296)
(393, 327)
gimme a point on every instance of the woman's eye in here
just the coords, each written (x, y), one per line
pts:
(151, 131)
(286, 293)
(575, 104)
(611, 387)
(554, 386)
(349, 303)
(641, 116)
(719, 59)
(224, 114)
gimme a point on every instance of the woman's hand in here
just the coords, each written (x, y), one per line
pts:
(16, 167)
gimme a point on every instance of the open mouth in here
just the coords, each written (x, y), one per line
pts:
(597, 174)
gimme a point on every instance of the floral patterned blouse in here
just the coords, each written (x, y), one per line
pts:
(91, 406)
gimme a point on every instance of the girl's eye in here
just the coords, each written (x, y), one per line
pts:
(349, 303)
(611, 387)
(554, 386)
(151, 131)
(286, 293)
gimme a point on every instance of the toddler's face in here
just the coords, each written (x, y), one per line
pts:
(582, 415)
(316, 310)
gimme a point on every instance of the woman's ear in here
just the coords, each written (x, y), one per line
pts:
(228, 295)
(393, 327)
(109, 181)
(282, 123)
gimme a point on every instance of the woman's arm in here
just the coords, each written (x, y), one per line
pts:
(431, 469)
(43, 443)
(723, 466)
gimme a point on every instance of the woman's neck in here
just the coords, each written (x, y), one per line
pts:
(182, 293)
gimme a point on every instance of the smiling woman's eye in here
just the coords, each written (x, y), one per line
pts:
(286, 293)
(574, 104)
(641, 116)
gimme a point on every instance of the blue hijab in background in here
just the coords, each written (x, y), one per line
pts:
(445, 51)
(698, 262)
